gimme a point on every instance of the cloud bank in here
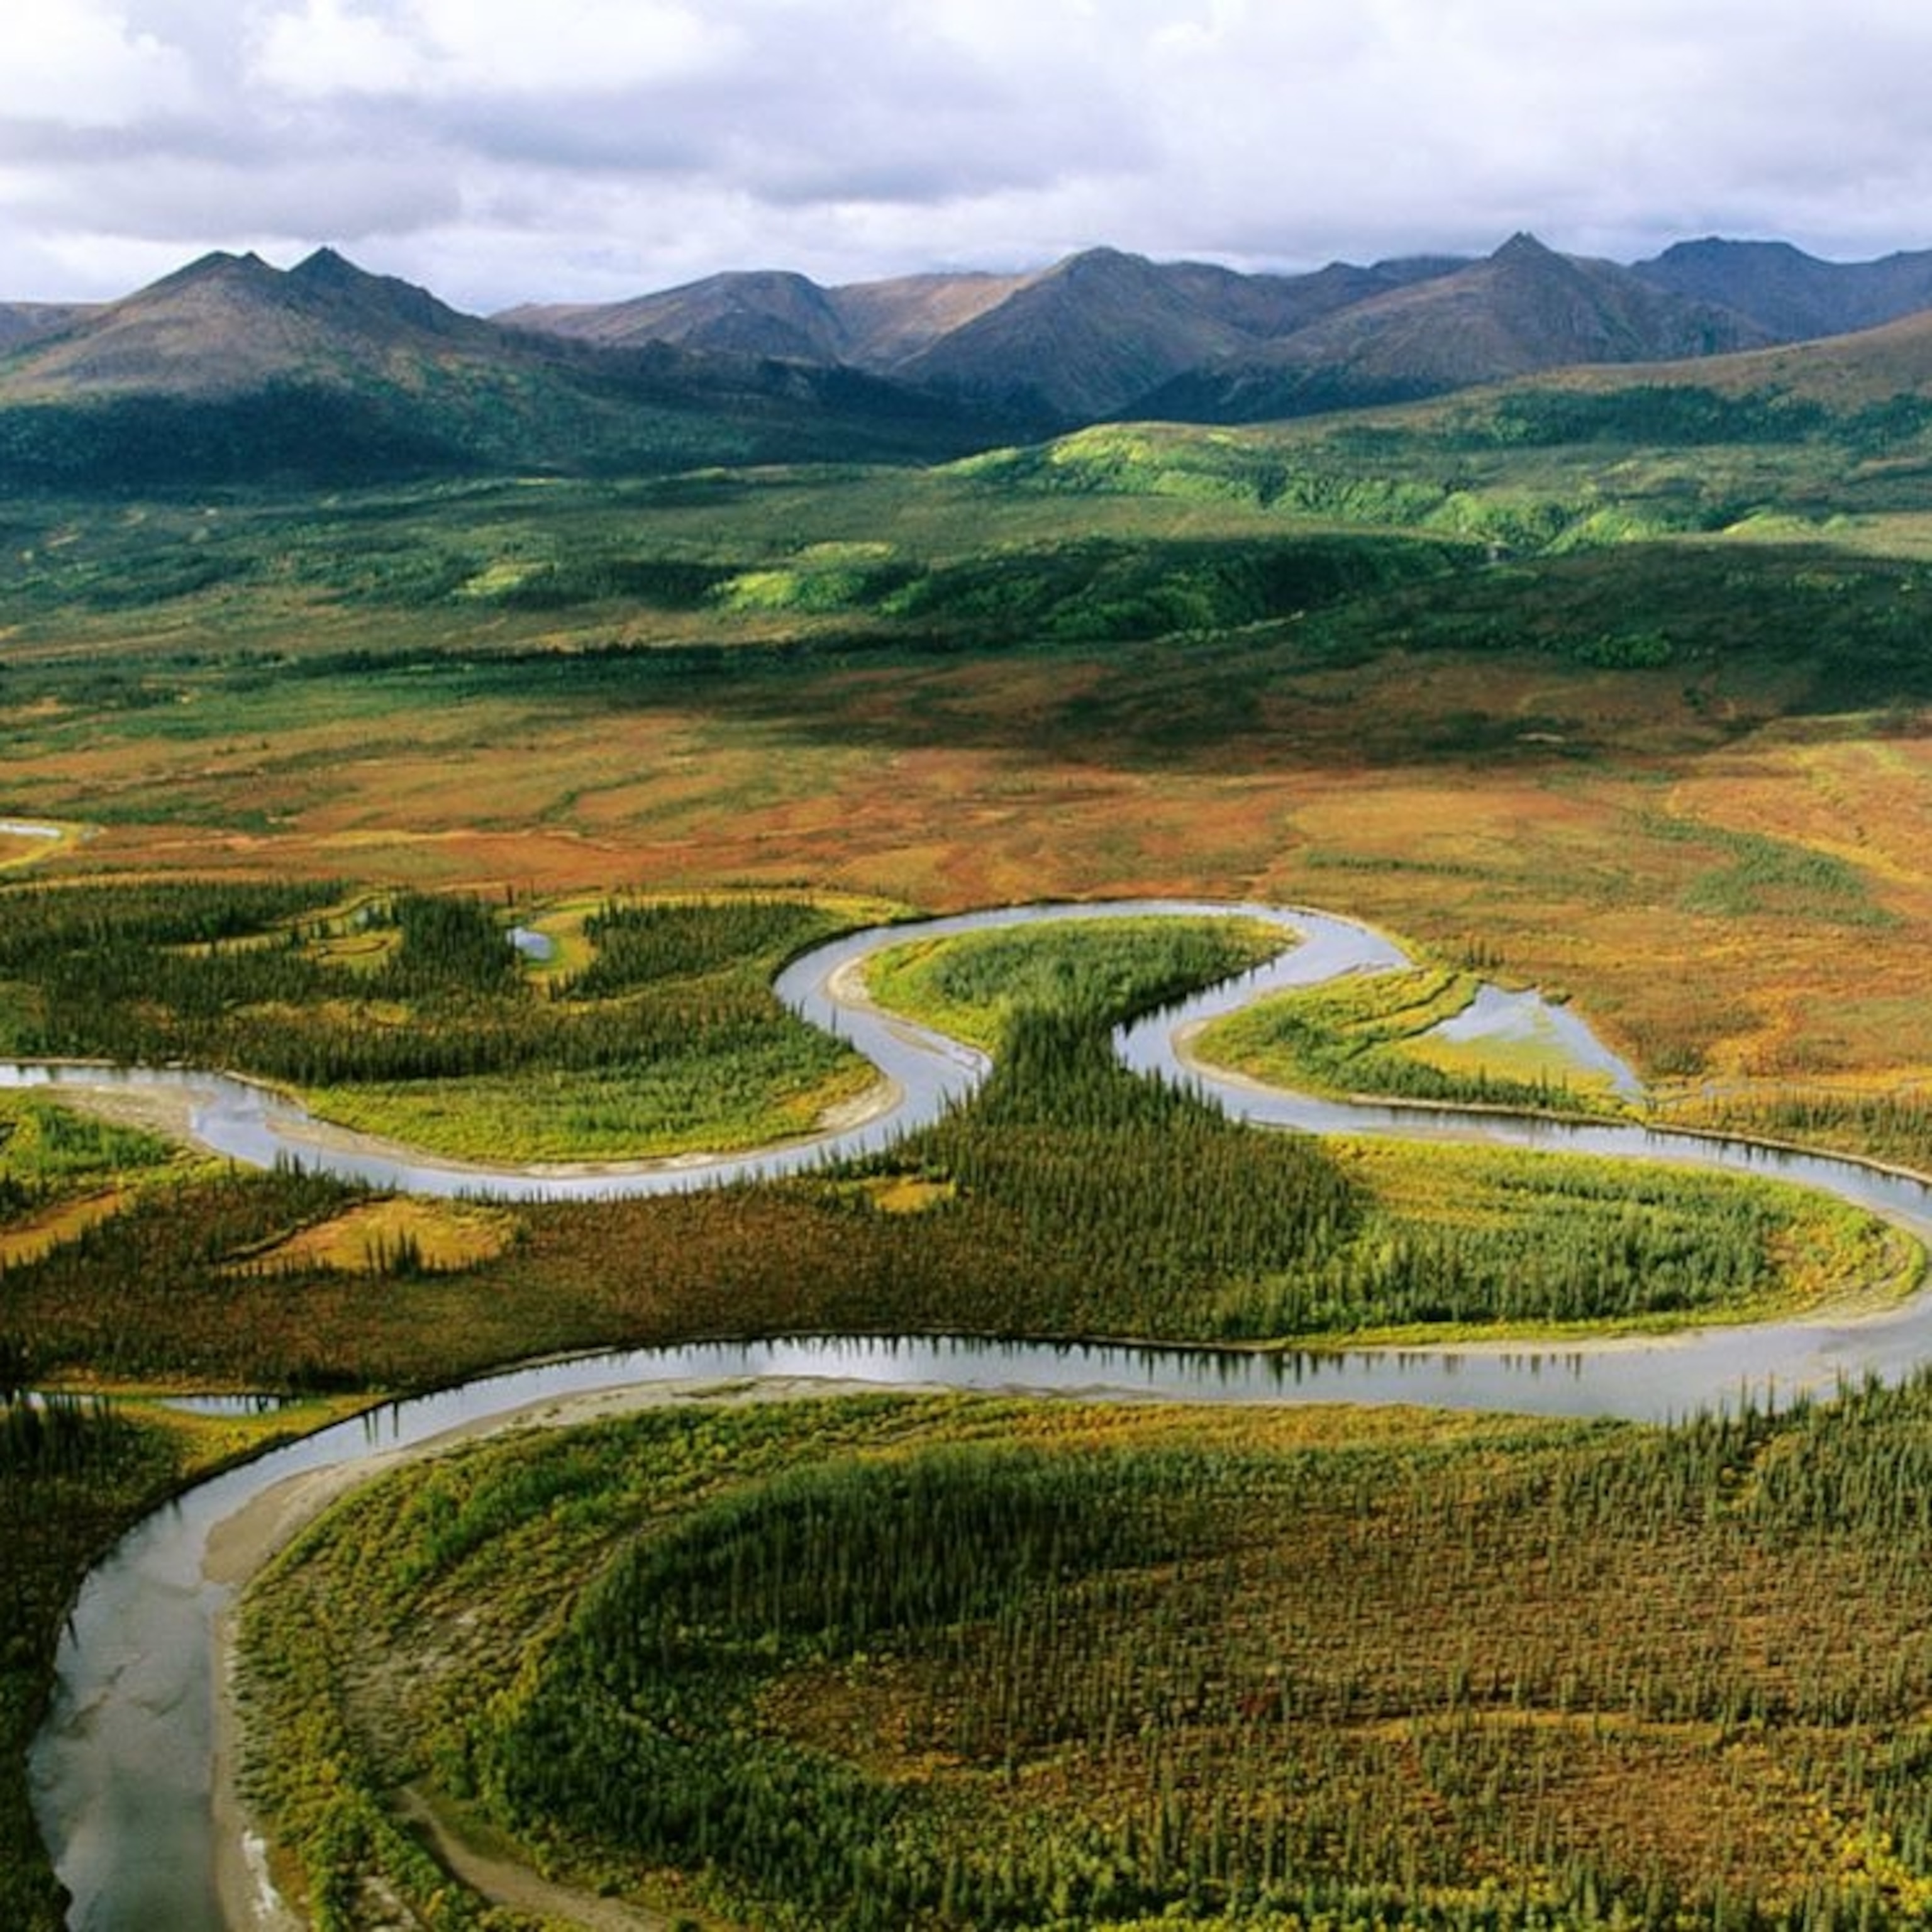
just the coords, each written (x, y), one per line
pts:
(589, 149)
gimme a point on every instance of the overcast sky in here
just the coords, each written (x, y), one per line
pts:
(500, 150)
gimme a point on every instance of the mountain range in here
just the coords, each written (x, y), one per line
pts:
(1108, 334)
(229, 366)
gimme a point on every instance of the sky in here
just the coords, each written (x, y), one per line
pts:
(504, 150)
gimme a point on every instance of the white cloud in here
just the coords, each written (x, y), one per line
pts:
(332, 47)
(84, 65)
(506, 148)
(443, 48)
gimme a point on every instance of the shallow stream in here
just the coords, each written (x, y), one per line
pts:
(123, 1770)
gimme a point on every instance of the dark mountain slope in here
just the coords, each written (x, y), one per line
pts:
(1079, 340)
(1792, 296)
(1523, 310)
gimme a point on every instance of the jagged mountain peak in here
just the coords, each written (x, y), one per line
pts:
(1523, 248)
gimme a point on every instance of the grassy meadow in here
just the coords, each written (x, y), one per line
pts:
(1623, 699)
(1091, 671)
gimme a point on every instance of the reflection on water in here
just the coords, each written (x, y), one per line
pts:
(1528, 1019)
(122, 1770)
(249, 1405)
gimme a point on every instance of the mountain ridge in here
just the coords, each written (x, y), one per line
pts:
(228, 364)
(1521, 311)
(228, 368)
(1103, 333)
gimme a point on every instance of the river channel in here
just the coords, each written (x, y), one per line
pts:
(123, 1770)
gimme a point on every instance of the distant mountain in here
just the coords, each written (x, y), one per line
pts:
(755, 314)
(1794, 296)
(1104, 334)
(1524, 310)
(1078, 341)
(230, 368)
(23, 322)
(872, 326)
(228, 324)
(1081, 339)
(1091, 336)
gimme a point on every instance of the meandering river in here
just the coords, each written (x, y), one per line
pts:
(123, 1770)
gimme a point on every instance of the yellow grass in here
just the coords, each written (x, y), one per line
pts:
(906, 1194)
(443, 1235)
(28, 1239)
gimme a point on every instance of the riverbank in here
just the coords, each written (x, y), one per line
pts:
(1709, 1368)
(239, 1547)
(1398, 1631)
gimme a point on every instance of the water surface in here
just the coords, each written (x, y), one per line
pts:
(123, 1771)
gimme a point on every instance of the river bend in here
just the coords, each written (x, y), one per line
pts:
(124, 1772)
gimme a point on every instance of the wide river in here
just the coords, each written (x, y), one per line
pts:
(123, 1770)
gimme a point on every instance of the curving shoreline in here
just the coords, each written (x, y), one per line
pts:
(137, 1687)
(922, 1072)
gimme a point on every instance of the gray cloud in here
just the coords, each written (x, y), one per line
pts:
(594, 147)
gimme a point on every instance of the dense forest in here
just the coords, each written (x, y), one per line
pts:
(886, 1662)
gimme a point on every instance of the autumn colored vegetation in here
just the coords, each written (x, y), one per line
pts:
(885, 1662)
(429, 1029)
(1370, 1034)
(974, 985)
(1624, 698)
(1068, 1198)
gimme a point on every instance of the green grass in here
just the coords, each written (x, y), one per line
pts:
(971, 984)
(707, 1099)
(47, 1151)
(1372, 1034)
(408, 1015)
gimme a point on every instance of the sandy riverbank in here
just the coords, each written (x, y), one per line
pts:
(239, 1547)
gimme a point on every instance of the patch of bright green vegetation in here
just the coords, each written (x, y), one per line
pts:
(1375, 1033)
(1756, 875)
(706, 1099)
(711, 557)
(49, 1150)
(883, 1661)
(970, 985)
(1463, 1242)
